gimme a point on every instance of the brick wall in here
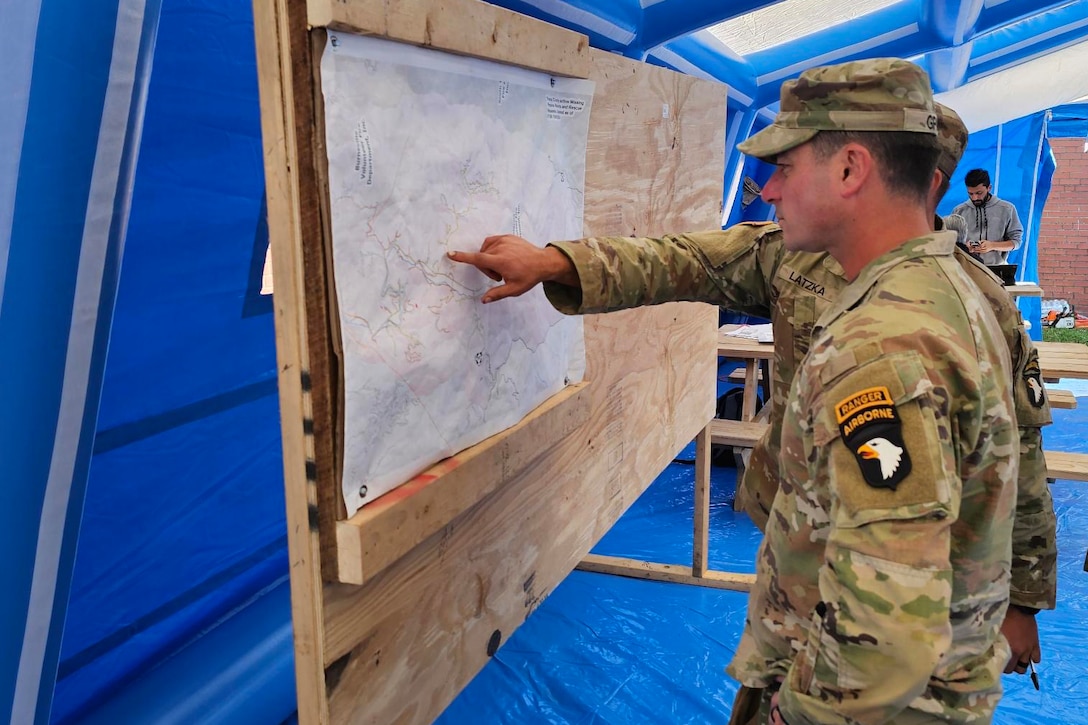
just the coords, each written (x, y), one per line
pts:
(1063, 233)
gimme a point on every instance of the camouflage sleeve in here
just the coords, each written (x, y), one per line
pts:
(1034, 535)
(1034, 547)
(883, 623)
(729, 267)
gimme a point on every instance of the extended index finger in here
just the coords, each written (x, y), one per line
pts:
(478, 260)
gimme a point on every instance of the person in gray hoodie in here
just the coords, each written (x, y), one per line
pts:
(993, 227)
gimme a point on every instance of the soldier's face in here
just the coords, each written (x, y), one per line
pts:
(799, 190)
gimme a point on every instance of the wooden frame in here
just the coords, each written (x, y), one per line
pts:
(447, 575)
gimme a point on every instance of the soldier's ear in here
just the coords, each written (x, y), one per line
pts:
(855, 168)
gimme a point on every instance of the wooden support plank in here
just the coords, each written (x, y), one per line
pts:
(1061, 398)
(465, 27)
(737, 433)
(293, 221)
(751, 383)
(672, 573)
(385, 530)
(1070, 466)
(700, 550)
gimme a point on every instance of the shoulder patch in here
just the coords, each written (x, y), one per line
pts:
(1033, 379)
(871, 428)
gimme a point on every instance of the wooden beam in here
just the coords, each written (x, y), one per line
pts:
(465, 27)
(385, 530)
(700, 550)
(284, 84)
(751, 388)
(671, 573)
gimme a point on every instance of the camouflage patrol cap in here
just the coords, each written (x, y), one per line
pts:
(951, 137)
(882, 94)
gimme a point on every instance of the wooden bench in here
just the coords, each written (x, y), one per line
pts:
(1070, 466)
(738, 433)
(1061, 398)
(738, 375)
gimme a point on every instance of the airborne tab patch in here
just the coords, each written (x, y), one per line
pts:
(871, 428)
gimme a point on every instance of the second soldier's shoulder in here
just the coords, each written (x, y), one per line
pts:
(979, 273)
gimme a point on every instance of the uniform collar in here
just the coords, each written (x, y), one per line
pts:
(934, 244)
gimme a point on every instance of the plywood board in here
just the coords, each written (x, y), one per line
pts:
(429, 622)
(400, 647)
(383, 531)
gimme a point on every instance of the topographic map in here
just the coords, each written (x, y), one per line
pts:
(430, 152)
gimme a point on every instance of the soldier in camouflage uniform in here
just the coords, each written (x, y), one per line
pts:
(1034, 549)
(794, 288)
(885, 567)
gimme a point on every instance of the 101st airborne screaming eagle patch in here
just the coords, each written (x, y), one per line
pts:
(1033, 378)
(871, 428)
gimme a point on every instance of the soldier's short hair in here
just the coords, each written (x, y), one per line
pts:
(905, 161)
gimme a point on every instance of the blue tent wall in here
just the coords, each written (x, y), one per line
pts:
(1018, 158)
(184, 518)
(1069, 121)
(70, 142)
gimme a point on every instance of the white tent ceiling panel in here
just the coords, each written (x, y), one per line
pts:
(1050, 80)
(788, 21)
(754, 45)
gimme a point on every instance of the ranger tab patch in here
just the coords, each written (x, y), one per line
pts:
(871, 428)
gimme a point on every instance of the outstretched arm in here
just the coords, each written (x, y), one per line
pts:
(519, 265)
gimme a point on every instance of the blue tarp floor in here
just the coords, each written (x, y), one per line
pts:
(608, 649)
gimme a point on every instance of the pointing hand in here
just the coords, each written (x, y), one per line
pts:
(518, 264)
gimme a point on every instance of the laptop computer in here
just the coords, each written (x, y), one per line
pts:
(1005, 272)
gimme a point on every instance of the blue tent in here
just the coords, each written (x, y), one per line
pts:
(145, 527)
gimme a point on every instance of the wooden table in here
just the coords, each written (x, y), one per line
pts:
(751, 353)
(1024, 289)
(1063, 360)
(1056, 360)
